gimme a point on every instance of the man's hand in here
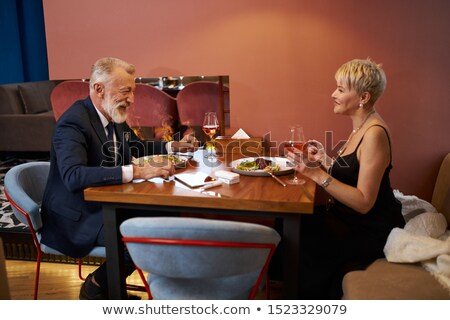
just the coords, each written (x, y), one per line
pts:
(187, 144)
(147, 171)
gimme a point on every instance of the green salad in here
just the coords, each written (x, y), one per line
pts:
(162, 158)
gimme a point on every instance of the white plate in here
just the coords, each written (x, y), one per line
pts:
(285, 167)
(178, 161)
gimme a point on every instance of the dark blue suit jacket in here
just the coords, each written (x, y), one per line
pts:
(80, 159)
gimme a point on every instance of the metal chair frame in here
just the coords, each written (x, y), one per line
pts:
(40, 252)
(38, 248)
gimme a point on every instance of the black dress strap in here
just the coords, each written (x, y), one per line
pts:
(387, 134)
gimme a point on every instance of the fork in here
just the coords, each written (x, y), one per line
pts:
(276, 178)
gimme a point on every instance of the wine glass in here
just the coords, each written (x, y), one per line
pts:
(296, 142)
(210, 128)
(181, 85)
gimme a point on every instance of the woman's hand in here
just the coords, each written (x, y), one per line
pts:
(315, 151)
(309, 162)
(310, 169)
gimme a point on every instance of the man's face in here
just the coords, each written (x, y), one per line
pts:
(119, 95)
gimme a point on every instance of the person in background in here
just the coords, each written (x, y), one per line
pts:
(93, 146)
(350, 231)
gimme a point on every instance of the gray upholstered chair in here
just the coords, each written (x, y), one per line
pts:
(194, 258)
(24, 189)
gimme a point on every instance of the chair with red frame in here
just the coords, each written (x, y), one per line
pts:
(24, 189)
(194, 258)
(66, 93)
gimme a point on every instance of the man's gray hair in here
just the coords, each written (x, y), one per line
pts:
(103, 67)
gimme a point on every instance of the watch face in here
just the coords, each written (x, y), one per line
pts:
(326, 182)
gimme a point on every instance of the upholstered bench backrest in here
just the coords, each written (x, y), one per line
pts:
(27, 97)
(441, 194)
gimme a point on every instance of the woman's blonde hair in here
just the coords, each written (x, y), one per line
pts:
(363, 76)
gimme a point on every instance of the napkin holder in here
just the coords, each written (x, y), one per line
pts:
(227, 177)
(251, 147)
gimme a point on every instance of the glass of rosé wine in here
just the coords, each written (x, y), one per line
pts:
(210, 128)
(295, 145)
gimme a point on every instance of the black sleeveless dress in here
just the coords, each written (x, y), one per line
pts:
(336, 239)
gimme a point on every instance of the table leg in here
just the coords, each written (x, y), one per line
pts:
(291, 243)
(114, 254)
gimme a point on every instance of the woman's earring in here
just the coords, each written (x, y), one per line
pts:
(361, 105)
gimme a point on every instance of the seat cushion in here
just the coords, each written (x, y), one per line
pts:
(222, 288)
(384, 280)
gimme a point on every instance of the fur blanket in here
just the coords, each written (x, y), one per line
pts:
(425, 239)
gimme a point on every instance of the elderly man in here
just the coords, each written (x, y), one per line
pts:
(92, 146)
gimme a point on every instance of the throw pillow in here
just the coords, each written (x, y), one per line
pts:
(428, 224)
(36, 96)
(412, 205)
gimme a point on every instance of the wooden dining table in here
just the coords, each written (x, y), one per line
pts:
(253, 198)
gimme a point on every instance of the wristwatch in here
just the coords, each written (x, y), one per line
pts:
(326, 182)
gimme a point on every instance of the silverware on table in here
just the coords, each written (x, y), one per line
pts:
(276, 178)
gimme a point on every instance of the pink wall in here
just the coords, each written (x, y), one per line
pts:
(281, 57)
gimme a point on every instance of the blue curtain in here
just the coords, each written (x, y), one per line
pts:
(23, 53)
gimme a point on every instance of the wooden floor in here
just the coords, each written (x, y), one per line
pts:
(61, 282)
(57, 281)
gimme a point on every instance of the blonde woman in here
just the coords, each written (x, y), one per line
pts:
(351, 230)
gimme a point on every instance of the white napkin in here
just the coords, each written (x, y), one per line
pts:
(240, 134)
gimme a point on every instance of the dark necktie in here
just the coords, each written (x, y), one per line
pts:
(110, 137)
(110, 129)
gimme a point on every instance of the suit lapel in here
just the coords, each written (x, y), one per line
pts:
(122, 133)
(95, 121)
(99, 131)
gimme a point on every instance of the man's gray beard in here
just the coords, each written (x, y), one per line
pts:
(113, 111)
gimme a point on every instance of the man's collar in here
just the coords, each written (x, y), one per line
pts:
(102, 117)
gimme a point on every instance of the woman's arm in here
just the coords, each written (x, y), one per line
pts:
(374, 156)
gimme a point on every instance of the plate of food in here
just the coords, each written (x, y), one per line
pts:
(161, 160)
(260, 166)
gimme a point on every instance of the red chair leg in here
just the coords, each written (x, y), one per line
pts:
(38, 269)
(144, 281)
(80, 275)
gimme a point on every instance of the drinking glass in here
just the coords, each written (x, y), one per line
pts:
(181, 85)
(210, 128)
(295, 145)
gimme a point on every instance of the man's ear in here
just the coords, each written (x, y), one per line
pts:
(99, 89)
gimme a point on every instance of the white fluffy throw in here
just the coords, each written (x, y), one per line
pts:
(433, 254)
(425, 239)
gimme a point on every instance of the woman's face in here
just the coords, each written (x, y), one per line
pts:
(346, 100)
